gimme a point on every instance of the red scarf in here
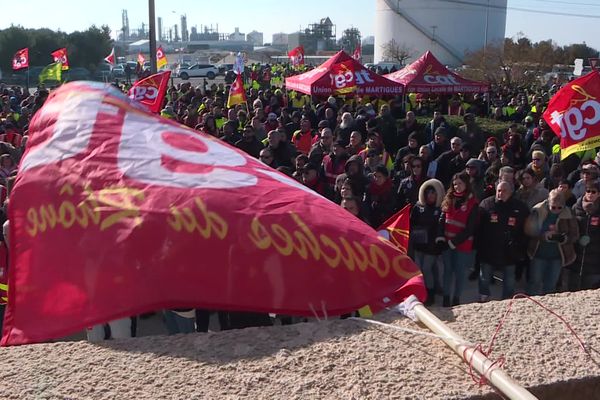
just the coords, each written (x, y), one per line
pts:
(376, 190)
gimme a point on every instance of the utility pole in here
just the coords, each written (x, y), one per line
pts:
(487, 20)
(433, 28)
(152, 33)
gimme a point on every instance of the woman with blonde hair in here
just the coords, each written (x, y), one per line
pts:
(553, 230)
(457, 225)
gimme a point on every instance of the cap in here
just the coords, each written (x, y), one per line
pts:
(310, 166)
(323, 124)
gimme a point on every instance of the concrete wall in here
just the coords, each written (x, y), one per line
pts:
(336, 359)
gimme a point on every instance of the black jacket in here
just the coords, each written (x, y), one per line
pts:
(589, 225)
(252, 147)
(501, 237)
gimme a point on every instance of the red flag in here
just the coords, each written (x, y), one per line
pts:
(21, 59)
(111, 57)
(296, 56)
(149, 214)
(151, 91)
(161, 58)
(396, 228)
(574, 114)
(343, 78)
(60, 56)
(237, 94)
(357, 55)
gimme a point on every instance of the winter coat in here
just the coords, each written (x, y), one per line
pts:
(589, 225)
(425, 219)
(501, 236)
(408, 191)
(360, 179)
(532, 196)
(566, 224)
(252, 147)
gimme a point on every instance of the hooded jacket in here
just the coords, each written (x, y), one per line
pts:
(566, 224)
(424, 219)
(359, 177)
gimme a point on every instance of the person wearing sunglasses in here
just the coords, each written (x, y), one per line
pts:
(585, 273)
(589, 174)
(408, 191)
(553, 231)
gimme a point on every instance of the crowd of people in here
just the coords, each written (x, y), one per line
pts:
(483, 206)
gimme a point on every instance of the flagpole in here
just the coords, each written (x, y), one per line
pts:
(152, 33)
(27, 81)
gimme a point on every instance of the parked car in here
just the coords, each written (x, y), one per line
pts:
(118, 71)
(103, 73)
(197, 70)
(223, 68)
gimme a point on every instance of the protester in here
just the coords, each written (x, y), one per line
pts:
(501, 239)
(408, 190)
(530, 192)
(553, 230)
(380, 196)
(457, 226)
(424, 220)
(585, 272)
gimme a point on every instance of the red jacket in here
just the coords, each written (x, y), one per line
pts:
(333, 168)
(456, 222)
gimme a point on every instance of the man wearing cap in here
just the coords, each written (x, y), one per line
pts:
(443, 172)
(439, 144)
(411, 148)
(433, 125)
(375, 145)
(313, 180)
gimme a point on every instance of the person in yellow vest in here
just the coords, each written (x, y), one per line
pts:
(511, 108)
(219, 118)
(375, 149)
(298, 101)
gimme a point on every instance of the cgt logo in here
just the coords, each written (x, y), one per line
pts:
(144, 93)
(441, 79)
(346, 78)
(576, 120)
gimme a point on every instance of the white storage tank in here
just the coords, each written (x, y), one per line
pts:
(448, 28)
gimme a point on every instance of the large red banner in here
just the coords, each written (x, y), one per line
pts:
(116, 212)
(574, 114)
(151, 91)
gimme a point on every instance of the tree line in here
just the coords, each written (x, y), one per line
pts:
(519, 60)
(84, 48)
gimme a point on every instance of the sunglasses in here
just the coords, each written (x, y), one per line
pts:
(591, 191)
(536, 159)
(266, 157)
(556, 207)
